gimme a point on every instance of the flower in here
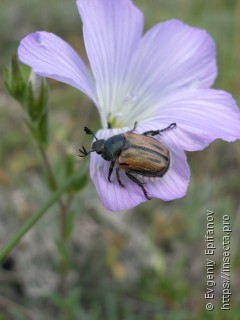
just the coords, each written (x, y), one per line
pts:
(156, 79)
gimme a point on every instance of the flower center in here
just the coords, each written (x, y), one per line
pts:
(115, 120)
(121, 117)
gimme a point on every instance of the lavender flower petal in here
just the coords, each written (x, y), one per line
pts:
(174, 183)
(50, 56)
(201, 116)
(112, 30)
(171, 56)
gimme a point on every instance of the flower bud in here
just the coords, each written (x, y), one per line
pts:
(14, 79)
(36, 106)
(36, 96)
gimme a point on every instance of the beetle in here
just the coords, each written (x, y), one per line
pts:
(136, 154)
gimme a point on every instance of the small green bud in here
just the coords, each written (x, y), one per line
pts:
(14, 79)
(36, 100)
(36, 106)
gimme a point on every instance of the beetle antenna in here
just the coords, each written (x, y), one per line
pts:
(170, 127)
(83, 152)
(88, 131)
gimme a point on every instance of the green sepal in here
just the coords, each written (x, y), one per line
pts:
(36, 102)
(37, 110)
(14, 79)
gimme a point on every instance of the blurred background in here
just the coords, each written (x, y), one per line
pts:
(145, 263)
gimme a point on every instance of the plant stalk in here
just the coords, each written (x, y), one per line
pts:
(34, 219)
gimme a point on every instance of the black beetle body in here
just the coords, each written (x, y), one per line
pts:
(136, 154)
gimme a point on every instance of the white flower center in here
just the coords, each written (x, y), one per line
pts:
(120, 117)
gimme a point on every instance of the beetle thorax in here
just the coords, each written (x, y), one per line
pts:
(113, 147)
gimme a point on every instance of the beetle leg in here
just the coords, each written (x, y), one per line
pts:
(118, 178)
(84, 152)
(110, 170)
(138, 182)
(155, 132)
(134, 127)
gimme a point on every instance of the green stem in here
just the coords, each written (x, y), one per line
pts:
(63, 234)
(50, 174)
(63, 218)
(34, 218)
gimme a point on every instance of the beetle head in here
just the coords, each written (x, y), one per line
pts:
(98, 146)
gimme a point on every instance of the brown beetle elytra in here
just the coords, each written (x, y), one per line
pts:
(136, 154)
